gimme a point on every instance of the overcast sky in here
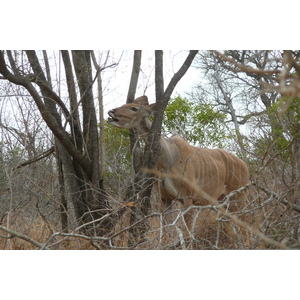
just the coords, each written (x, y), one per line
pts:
(116, 80)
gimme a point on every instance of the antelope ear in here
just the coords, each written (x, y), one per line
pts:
(151, 107)
(141, 100)
(148, 110)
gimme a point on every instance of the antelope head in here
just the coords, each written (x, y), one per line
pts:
(131, 115)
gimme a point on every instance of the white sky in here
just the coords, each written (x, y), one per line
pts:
(116, 81)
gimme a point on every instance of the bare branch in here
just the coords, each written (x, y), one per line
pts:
(180, 73)
(23, 237)
(134, 75)
(35, 159)
(243, 67)
(284, 201)
(137, 58)
(62, 136)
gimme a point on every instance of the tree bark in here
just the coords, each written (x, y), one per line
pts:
(76, 131)
(152, 150)
(79, 152)
(83, 70)
(137, 57)
(101, 120)
(96, 197)
(143, 181)
(135, 147)
(230, 108)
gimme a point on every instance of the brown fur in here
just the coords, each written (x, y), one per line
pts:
(195, 176)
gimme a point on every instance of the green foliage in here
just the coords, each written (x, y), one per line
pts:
(118, 156)
(292, 117)
(115, 137)
(284, 118)
(199, 124)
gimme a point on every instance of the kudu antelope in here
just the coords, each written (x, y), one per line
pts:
(190, 174)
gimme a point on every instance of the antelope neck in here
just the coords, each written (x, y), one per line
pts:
(144, 128)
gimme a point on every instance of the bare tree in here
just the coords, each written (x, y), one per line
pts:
(78, 151)
(143, 180)
(152, 150)
(134, 143)
(260, 89)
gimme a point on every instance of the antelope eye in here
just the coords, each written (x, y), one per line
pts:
(134, 109)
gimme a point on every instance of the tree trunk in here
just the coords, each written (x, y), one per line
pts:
(143, 181)
(62, 192)
(135, 146)
(79, 152)
(96, 201)
(152, 150)
(101, 120)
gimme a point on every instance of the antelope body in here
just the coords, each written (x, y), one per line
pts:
(190, 174)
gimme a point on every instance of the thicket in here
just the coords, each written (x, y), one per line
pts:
(247, 103)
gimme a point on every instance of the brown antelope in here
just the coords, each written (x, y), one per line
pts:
(193, 175)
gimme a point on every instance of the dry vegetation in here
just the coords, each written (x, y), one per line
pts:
(31, 211)
(266, 222)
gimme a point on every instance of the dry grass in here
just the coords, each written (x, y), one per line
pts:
(264, 223)
(39, 231)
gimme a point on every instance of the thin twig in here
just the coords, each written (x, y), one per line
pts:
(243, 67)
(36, 158)
(23, 237)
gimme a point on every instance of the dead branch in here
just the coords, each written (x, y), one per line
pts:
(222, 208)
(23, 237)
(36, 158)
(274, 195)
(243, 67)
